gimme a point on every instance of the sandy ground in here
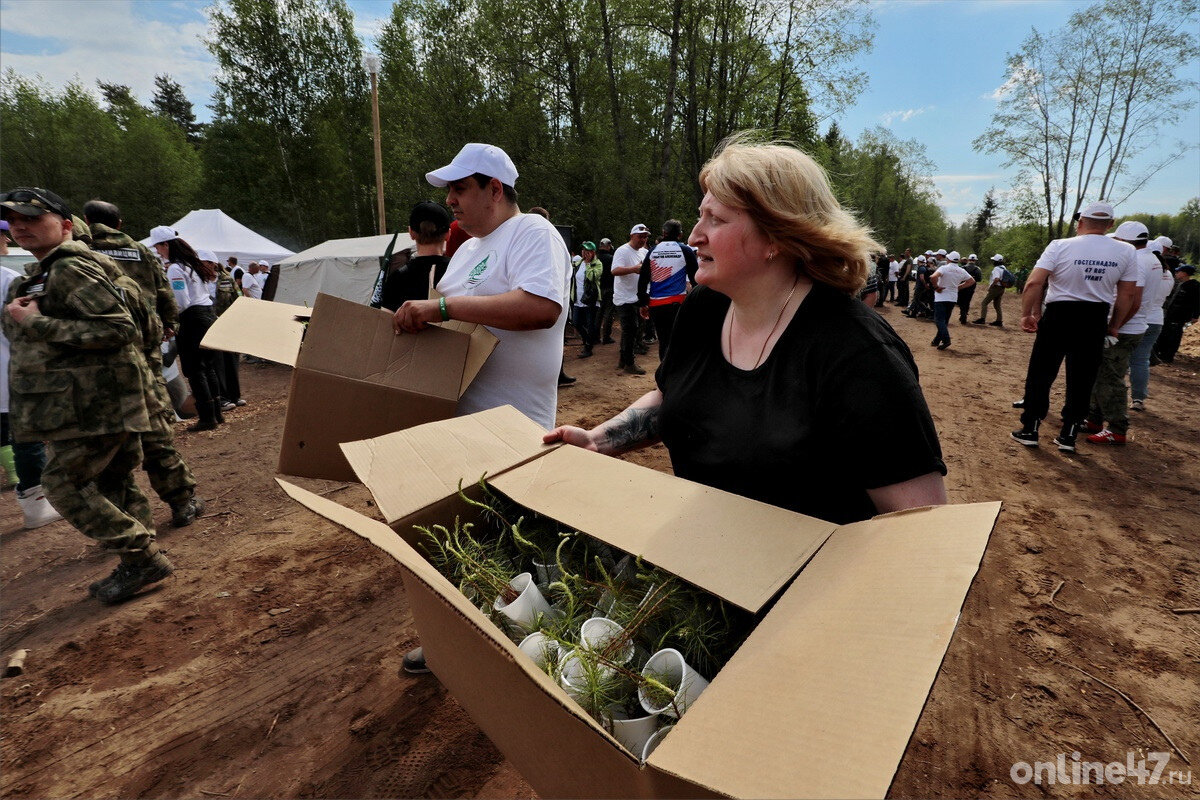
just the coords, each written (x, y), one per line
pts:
(269, 665)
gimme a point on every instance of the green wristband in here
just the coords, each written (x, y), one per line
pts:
(445, 311)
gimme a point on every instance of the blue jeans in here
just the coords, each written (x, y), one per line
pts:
(941, 317)
(1139, 363)
(29, 458)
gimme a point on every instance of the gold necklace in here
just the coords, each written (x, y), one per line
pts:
(733, 316)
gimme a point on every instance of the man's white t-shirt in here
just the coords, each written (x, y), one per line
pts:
(7, 276)
(1087, 268)
(251, 286)
(1155, 293)
(625, 286)
(893, 270)
(950, 275)
(525, 252)
(1150, 270)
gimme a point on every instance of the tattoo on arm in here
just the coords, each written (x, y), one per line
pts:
(631, 429)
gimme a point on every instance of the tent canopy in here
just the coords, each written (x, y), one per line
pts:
(345, 268)
(213, 229)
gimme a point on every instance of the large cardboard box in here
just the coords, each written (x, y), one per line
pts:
(821, 699)
(354, 378)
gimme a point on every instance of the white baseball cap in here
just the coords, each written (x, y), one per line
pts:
(997, 258)
(160, 234)
(206, 255)
(1098, 210)
(942, 252)
(972, 257)
(485, 159)
(952, 256)
(1155, 246)
(639, 228)
(1165, 241)
(1132, 231)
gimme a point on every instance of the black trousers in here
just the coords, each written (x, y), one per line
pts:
(964, 303)
(198, 365)
(663, 318)
(1168, 341)
(902, 297)
(1072, 331)
(627, 315)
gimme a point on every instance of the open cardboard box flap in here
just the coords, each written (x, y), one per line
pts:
(825, 693)
(260, 328)
(741, 550)
(407, 470)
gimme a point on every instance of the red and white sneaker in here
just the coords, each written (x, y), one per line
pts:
(1107, 437)
(1092, 427)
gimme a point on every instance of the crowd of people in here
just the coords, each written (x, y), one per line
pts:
(774, 371)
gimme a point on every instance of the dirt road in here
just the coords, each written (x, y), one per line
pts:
(269, 665)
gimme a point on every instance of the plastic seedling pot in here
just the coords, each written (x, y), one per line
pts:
(654, 740)
(529, 604)
(633, 734)
(668, 667)
(546, 573)
(541, 648)
(598, 632)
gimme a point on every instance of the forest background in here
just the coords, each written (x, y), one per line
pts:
(608, 107)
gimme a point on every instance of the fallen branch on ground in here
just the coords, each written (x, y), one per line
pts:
(1136, 707)
(1055, 605)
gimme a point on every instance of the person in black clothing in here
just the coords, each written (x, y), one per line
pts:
(965, 295)
(429, 227)
(777, 378)
(1182, 308)
(607, 309)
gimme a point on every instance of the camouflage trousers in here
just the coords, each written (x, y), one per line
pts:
(1110, 395)
(90, 482)
(169, 475)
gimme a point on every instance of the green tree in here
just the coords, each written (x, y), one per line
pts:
(170, 101)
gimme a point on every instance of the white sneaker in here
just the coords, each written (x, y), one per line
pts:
(37, 508)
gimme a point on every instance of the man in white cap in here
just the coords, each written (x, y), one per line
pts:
(511, 277)
(1000, 279)
(967, 294)
(626, 265)
(1078, 278)
(1109, 395)
(947, 281)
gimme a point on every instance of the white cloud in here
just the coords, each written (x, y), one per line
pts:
(903, 116)
(110, 41)
(953, 179)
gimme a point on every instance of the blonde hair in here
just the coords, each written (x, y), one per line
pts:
(787, 194)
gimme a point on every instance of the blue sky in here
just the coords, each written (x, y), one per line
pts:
(932, 71)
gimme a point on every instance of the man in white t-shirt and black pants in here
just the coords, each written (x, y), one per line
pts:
(512, 277)
(1109, 394)
(626, 266)
(947, 281)
(1079, 279)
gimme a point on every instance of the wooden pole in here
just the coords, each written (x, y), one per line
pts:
(378, 152)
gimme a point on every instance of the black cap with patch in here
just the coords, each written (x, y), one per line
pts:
(33, 202)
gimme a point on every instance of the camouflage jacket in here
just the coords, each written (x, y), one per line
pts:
(143, 266)
(77, 369)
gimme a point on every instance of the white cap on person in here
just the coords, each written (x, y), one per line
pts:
(1098, 210)
(941, 251)
(639, 228)
(972, 257)
(1132, 231)
(160, 234)
(1155, 246)
(484, 159)
(997, 258)
(206, 255)
(953, 256)
(1165, 242)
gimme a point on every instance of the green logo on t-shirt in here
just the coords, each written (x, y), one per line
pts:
(476, 273)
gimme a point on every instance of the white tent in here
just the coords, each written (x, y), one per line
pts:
(213, 229)
(344, 268)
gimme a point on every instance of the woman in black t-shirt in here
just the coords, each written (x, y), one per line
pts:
(778, 380)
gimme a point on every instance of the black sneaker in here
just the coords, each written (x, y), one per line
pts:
(1066, 437)
(130, 577)
(634, 369)
(414, 662)
(1019, 403)
(1027, 435)
(564, 379)
(943, 345)
(94, 587)
(996, 324)
(185, 514)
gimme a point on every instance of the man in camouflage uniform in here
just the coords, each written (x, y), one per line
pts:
(169, 475)
(77, 381)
